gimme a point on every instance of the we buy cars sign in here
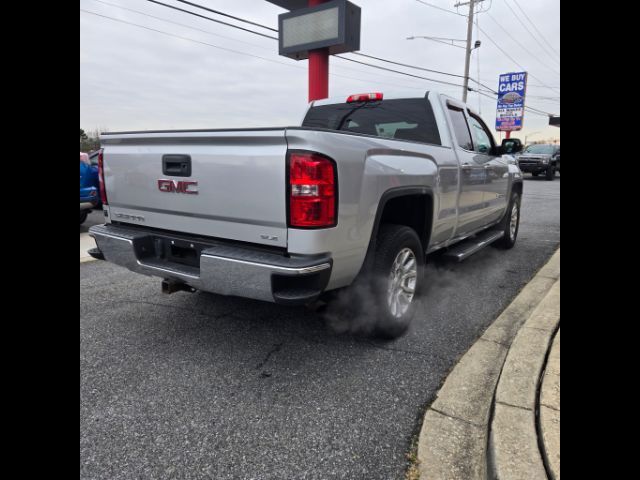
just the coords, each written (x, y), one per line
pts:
(510, 109)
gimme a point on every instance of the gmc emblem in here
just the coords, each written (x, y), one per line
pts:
(178, 186)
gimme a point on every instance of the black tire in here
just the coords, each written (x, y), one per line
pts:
(508, 240)
(362, 308)
(551, 173)
(535, 174)
(83, 216)
(391, 241)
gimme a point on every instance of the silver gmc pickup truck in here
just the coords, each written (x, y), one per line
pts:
(359, 194)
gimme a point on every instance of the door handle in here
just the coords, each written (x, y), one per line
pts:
(488, 167)
(466, 166)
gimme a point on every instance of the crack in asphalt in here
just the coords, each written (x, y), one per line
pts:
(276, 348)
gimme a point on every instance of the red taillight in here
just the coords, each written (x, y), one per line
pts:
(312, 190)
(364, 97)
(103, 191)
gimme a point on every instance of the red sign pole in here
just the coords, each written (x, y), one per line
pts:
(318, 68)
(508, 135)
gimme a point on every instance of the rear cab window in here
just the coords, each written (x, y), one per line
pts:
(409, 119)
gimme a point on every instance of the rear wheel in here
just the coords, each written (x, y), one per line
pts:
(510, 224)
(382, 301)
(83, 216)
(535, 174)
(398, 271)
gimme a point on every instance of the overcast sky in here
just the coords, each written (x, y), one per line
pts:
(133, 78)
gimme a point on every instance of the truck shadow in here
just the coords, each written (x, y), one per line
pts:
(208, 316)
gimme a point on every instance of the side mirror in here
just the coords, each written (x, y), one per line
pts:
(511, 146)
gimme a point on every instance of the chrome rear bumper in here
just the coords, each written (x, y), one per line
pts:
(216, 267)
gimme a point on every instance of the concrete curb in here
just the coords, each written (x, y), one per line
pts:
(454, 436)
(514, 452)
(549, 411)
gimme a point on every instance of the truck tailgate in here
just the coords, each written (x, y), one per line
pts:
(240, 175)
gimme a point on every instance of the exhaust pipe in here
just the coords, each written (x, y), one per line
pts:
(172, 286)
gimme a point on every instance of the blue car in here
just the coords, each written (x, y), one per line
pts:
(89, 198)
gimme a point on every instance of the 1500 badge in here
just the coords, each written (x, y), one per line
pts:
(178, 186)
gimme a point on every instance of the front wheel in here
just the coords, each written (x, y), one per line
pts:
(83, 216)
(510, 224)
(551, 173)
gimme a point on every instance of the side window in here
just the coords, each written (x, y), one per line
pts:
(481, 139)
(460, 128)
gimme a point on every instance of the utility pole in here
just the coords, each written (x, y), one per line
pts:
(478, 59)
(467, 57)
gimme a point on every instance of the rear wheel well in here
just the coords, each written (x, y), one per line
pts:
(414, 211)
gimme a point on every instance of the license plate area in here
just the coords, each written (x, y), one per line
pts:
(184, 255)
(171, 250)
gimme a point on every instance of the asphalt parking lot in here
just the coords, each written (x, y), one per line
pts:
(202, 386)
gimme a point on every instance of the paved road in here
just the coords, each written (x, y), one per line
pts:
(201, 386)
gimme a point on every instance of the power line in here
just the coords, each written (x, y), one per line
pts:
(530, 109)
(252, 55)
(282, 63)
(536, 28)
(398, 71)
(354, 53)
(440, 8)
(539, 112)
(345, 58)
(538, 85)
(511, 58)
(521, 46)
(227, 15)
(188, 39)
(407, 65)
(247, 43)
(212, 19)
(182, 24)
(490, 39)
(528, 31)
